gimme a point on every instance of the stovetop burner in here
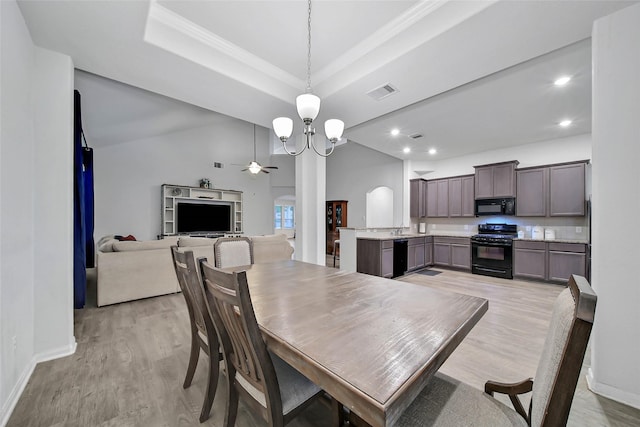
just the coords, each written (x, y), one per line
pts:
(495, 232)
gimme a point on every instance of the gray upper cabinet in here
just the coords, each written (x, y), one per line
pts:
(418, 198)
(532, 185)
(461, 196)
(496, 180)
(567, 190)
(438, 198)
(554, 190)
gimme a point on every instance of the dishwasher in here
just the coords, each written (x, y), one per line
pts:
(400, 247)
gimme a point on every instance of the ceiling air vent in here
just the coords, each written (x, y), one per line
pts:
(382, 92)
(218, 165)
(416, 136)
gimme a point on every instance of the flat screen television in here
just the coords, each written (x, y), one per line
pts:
(195, 217)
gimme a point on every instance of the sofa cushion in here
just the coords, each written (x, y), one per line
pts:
(127, 246)
(273, 247)
(186, 241)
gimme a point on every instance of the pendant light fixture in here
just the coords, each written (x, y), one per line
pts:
(308, 106)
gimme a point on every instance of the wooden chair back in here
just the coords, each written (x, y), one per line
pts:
(191, 288)
(233, 252)
(249, 365)
(563, 353)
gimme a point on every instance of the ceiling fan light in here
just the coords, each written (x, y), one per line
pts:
(308, 106)
(283, 127)
(333, 129)
(254, 167)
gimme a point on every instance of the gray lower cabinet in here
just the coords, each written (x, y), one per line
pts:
(375, 257)
(428, 251)
(566, 259)
(452, 252)
(529, 260)
(415, 253)
(553, 261)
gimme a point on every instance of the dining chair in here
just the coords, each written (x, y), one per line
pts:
(203, 333)
(336, 250)
(448, 402)
(233, 252)
(267, 385)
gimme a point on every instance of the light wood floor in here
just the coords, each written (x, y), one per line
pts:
(131, 359)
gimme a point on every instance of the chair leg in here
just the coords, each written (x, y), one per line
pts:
(210, 393)
(193, 359)
(337, 413)
(232, 404)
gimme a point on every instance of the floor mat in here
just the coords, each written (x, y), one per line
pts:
(428, 272)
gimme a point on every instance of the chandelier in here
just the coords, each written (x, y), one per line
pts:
(308, 106)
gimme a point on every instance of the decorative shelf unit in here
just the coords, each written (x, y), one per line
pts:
(173, 194)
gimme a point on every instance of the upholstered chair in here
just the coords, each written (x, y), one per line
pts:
(233, 252)
(203, 333)
(270, 387)
(448, 402)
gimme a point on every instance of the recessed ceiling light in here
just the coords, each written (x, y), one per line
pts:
(406, 150)
(565, 123)
(395, 132)
(432, 151)
(561, 81)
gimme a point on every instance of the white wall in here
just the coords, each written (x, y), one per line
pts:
(353, 170)
(35, 247)
(53, 204)
(535, 154)
(615, 348)
(128, 176)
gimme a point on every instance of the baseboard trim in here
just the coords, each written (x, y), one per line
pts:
(630, 399)
(18, 389)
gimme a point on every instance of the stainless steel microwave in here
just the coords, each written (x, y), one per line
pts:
(504, 206)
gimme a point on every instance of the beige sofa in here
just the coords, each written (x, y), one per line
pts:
(129, 270)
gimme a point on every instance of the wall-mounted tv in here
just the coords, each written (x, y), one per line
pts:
(203, 217)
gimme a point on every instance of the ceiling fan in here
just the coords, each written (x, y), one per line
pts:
(254, 167)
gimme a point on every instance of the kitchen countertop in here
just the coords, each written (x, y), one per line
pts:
(561, 240)
(382, 236)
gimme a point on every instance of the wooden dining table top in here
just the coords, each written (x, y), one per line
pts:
(371, 343)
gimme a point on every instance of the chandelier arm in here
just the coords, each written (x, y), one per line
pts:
(333, 146)
(292, 153)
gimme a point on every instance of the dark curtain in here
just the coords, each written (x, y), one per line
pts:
(83, 246)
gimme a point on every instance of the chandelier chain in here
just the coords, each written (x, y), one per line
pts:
(309, 49)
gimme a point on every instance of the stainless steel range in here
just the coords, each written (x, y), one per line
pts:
(492, 250)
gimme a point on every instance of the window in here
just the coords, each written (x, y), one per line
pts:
(284, 216)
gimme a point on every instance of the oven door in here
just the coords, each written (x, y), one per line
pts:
(492, 259)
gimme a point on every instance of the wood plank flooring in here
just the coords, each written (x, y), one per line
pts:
(131, 360)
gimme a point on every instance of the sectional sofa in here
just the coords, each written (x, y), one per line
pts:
(131, 270)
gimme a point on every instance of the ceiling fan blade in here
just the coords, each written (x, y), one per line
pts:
(269, 167)
(262, 170)
(244, 170)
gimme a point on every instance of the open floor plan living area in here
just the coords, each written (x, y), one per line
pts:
(399, 213)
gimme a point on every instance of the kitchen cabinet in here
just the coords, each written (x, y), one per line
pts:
(529, 260)
(551, 190)
(495, 180)
(428, 251)
(452, 252)
(566, 259)
(416, 253)
(532, 194)
(418, 198)
(375, 257)
(567, 190)
(438, 198)
(461, 196)
(336, 216)
(550, 261)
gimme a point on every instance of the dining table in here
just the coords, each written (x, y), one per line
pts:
(371, 343)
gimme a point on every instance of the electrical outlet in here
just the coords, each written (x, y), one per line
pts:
(578, 229)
